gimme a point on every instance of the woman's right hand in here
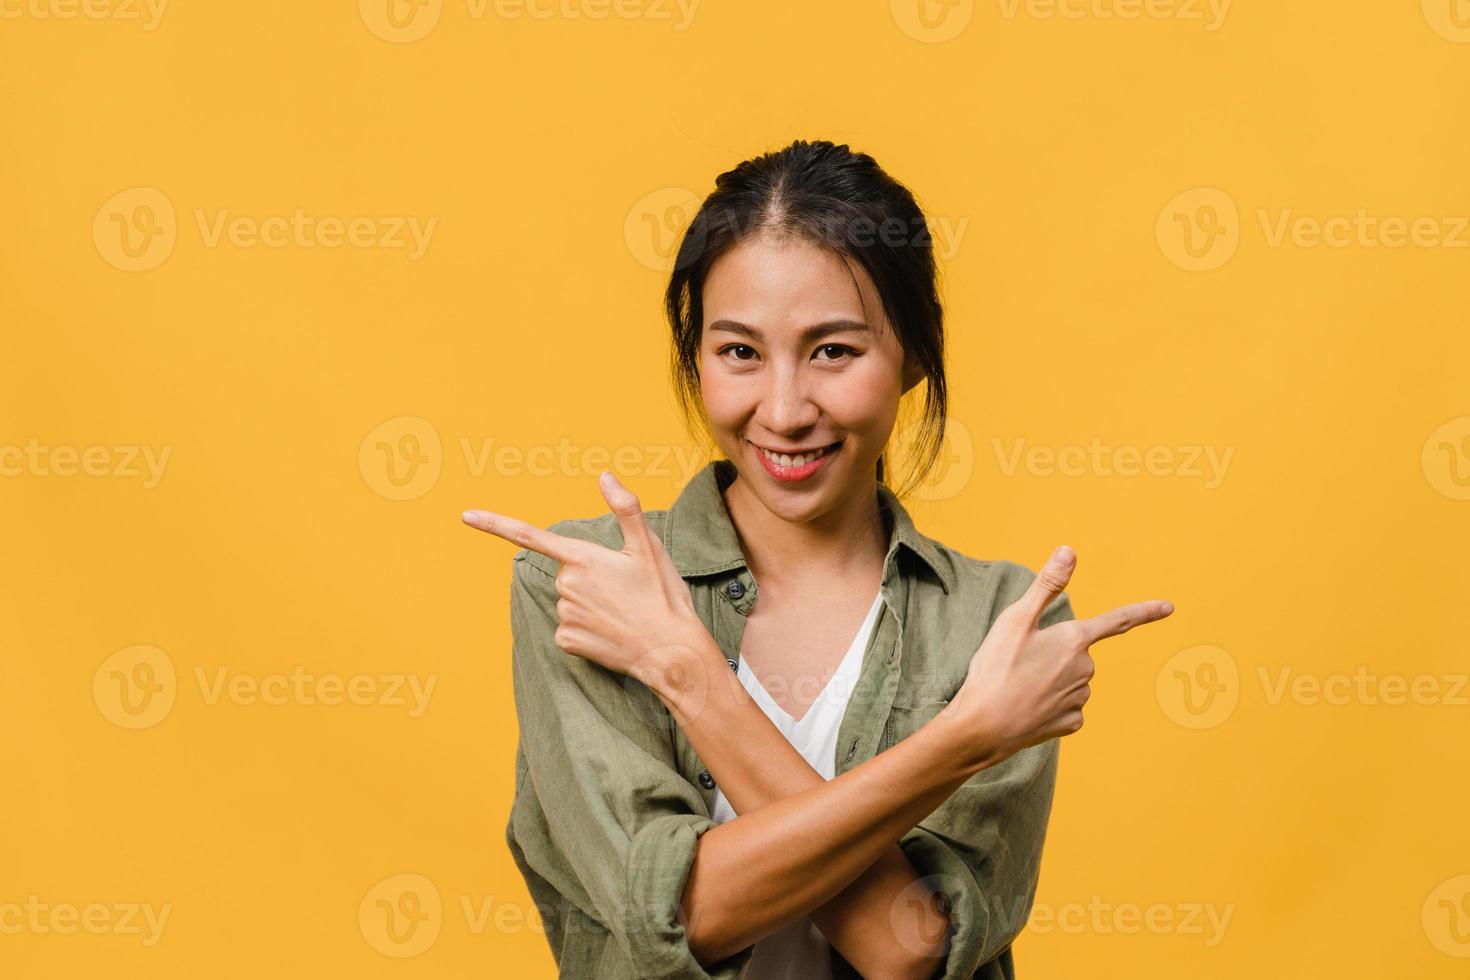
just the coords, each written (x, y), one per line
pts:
(1025, 684)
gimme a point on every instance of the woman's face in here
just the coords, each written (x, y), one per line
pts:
(796, 358)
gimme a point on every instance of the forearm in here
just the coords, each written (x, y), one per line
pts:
(757, 766)
(793, 855)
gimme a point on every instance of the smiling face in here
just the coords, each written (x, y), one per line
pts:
(797, 358)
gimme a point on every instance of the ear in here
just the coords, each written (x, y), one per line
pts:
(913, 373)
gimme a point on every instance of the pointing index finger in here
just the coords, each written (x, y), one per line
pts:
(1118, 621)
(518, 532)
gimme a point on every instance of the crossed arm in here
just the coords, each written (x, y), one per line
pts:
(827, 851)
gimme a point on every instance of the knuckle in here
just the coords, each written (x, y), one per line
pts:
(1051, 578)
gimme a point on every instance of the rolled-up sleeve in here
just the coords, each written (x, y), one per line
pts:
(621, 824)
(980, 850)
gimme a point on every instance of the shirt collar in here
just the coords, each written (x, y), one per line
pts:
(701, 539)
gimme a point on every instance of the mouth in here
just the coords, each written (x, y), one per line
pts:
(789, 467)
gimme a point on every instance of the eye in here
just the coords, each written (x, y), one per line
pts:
(730, 347)
(836, 347)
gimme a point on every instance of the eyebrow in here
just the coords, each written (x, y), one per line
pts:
(814, 332)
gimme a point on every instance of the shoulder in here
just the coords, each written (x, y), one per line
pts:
(991, 584)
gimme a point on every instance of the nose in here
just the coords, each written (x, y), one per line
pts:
(786, 407)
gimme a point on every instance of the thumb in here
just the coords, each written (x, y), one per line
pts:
(1048, 584)
(624, 504)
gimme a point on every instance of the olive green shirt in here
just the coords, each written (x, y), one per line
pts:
(611, 799)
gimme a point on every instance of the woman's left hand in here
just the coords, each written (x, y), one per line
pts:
(630, 610)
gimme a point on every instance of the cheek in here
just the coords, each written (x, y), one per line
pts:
(864, 401)
(721, 399)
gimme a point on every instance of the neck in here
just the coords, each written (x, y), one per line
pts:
(849, 540)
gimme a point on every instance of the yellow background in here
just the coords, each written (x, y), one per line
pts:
(1062, 151)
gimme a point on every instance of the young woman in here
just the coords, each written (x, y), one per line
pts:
(774, 730)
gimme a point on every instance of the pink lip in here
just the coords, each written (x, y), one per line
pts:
(794, 473)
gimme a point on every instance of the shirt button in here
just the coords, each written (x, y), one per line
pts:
(706, 780)
(734, 589)
(733, 665)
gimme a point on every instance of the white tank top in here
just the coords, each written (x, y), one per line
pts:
(800, 951)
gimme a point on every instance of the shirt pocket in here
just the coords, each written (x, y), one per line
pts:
(905, 719)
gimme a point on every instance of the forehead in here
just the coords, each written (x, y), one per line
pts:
(786, 283)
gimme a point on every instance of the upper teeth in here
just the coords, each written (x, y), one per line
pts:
(781, 459)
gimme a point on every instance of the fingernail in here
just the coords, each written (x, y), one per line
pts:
(1168, 607)
(1064, 554)
(471, 516)
(605, 478)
